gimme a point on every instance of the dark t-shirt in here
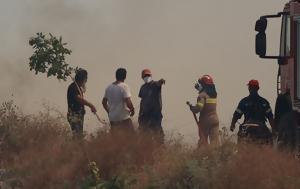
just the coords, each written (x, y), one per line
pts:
(150, 94)
(73, 104)
(254, 108)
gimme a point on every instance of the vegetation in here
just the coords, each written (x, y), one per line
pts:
(37, 151)
(49, 56)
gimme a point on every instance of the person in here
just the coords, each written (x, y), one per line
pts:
(207, 107)
(256, 111)
(76, 103)
(117, 103)
(150, 114)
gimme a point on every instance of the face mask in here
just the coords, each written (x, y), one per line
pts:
(199, 87)
(147, 79)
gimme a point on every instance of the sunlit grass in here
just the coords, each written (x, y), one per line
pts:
(39, 152)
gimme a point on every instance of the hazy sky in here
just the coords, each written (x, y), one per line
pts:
(178, 40)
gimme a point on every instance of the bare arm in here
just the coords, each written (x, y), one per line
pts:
(84, 102)
(105, 104)
(130, 106)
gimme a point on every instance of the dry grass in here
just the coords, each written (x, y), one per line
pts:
(39, 151)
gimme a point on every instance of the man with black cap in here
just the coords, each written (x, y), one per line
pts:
(256, 111)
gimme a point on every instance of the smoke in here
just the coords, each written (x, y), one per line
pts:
(178, 40)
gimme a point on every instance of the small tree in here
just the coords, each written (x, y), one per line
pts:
(49, 56)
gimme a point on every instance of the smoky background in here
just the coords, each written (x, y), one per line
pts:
(178, 40)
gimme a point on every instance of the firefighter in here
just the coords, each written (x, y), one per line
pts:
(150, 115)
(256, 111)
(76, 103)
(206, 106)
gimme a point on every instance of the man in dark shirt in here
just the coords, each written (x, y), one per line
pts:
(150, 115)
(256, 111)
(76, 103)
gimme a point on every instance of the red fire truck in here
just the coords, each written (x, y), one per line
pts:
(287, 109)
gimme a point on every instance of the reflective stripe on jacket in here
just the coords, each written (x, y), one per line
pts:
(208, 109)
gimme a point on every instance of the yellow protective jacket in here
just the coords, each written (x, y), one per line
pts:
(208, 110)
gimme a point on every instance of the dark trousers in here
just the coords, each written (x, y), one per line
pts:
(152, 126)
(258, 134)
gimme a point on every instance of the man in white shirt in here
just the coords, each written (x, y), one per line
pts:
(117, 103)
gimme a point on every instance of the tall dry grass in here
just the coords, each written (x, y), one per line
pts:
(39, 152)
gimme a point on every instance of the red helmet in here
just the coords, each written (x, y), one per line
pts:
(207, 79)
(146, 72)
(253, 84)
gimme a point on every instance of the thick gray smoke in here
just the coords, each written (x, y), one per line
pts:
(178, 40)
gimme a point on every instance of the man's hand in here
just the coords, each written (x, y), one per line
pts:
(191, 108)
(162, 81)
(232, 127)
(194, 109)
(233, 122)
(93, 108)
(130, 106)
(132, 112)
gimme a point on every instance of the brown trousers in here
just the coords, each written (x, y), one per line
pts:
(210, 128)
(122, 127)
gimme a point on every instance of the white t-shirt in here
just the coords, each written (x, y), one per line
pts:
(116, 94)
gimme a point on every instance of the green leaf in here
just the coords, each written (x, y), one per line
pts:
(49, 56)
